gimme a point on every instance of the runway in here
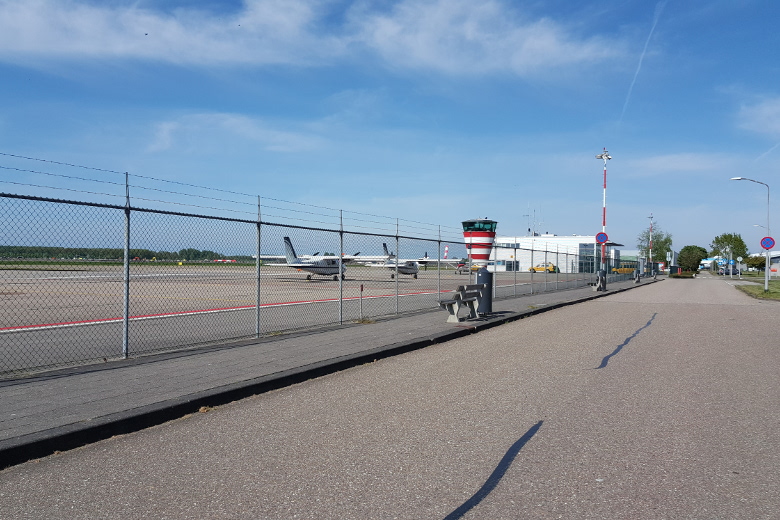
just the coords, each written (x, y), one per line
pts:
(72, 314)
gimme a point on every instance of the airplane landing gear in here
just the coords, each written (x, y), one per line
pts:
(308, 277)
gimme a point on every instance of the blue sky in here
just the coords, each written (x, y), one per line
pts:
(435, 111)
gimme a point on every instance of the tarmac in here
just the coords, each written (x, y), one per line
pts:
(65, 409)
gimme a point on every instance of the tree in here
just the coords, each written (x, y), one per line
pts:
(690, 257)
(729, 242)
(662, 243)
(756, 262)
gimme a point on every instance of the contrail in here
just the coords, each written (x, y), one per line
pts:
(766, 153)
(658, 10)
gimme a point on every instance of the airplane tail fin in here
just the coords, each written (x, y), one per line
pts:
(289, 251)
(387, 253)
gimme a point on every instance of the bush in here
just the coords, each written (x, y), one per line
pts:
(686, 274)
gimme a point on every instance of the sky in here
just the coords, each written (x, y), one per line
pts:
(432, 111)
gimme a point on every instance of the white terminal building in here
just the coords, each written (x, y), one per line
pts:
(569, 254)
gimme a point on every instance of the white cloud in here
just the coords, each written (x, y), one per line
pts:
(447, 36)
(680, 163)
(762, 117)
(218, 130)
(466, 37)
(264, 32)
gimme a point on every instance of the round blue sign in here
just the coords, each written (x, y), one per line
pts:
(601, 238)
(767, 243)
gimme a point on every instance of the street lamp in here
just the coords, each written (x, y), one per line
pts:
(606, 157)
(768, 233)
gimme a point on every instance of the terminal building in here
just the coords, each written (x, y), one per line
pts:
(569, 254)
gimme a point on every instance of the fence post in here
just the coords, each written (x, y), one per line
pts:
(341, 263)
(397, 256)
(126, 311)
(532, 264)
(438, 267)
(257, 271)
(516, 267)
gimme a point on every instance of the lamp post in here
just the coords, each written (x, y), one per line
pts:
(606, 157)
(766, 270)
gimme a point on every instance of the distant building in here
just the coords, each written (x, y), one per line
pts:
(569, 254)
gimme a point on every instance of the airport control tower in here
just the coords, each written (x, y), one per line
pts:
(479, 234)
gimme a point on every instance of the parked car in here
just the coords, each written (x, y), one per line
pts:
(546, 266)
(464, 269)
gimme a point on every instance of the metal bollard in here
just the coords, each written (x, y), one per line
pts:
(485, 299)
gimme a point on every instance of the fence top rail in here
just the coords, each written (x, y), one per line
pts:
(207, 217)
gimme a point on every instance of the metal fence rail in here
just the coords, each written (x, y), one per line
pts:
(85, 282)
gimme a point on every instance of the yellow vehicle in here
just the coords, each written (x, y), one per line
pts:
(548, 266)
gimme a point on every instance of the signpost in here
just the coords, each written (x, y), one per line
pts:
(602, 238)
(767, 243)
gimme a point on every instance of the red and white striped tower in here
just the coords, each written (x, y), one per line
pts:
(604, 155)
(479, 234)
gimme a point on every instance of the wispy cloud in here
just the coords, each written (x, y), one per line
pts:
(762, 118)
(465, 37)
(263, 32)
(681, 164)
(225, 130)
(445, 36)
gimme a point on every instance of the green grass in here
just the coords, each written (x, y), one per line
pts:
(757, 290)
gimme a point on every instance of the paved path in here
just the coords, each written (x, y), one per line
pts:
(659, 402)
(69, 408)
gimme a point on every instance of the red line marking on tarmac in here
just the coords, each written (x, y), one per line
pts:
(64, 324)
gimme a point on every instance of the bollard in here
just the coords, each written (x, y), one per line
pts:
(485, 299)
(602, 281)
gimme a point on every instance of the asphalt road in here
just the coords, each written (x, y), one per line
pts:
(657, 403)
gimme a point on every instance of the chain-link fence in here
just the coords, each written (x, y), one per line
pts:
(86, 282)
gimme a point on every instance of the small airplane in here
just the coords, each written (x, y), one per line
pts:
(410, 267)
(324, 266)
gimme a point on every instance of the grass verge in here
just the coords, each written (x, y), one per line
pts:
(757, 290)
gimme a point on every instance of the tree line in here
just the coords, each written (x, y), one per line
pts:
(691, 256)
(99, 253)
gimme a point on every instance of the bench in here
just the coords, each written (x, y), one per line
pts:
(464, 295)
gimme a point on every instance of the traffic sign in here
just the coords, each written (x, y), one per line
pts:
(739, 259)
(767, 243)
(601, 238)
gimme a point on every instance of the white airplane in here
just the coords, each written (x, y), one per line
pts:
(410, 267)
(325, 266)
(425, 260)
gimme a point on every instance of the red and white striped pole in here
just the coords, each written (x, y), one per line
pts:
(604, 155)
